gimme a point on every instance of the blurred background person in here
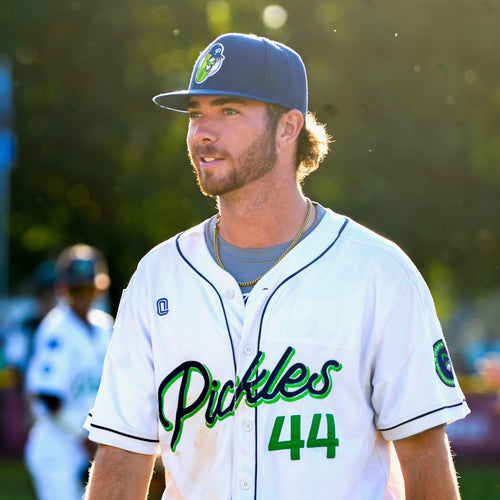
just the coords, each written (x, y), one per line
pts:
(17, 346)
(18, 343)
(64, 373)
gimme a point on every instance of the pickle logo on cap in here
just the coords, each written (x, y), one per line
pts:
(210, 63)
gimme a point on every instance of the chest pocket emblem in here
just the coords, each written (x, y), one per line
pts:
(162, 307)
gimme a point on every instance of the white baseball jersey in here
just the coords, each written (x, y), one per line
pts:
(67, 363)
(297, 395)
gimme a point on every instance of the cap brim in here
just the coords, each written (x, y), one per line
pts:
(178, 101)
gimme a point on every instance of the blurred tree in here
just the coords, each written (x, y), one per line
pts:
(410, 92)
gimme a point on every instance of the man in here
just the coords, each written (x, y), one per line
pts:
(18, 339)
(63, 376)
(327, 376)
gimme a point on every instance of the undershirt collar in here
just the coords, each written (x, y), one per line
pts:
(245, 264)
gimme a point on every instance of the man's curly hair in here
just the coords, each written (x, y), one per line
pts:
(312, 144)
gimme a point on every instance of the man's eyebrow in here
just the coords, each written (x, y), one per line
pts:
(220, 101)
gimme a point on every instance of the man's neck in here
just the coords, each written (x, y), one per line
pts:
(264, 222)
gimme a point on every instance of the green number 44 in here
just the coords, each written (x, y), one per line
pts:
(295, 443)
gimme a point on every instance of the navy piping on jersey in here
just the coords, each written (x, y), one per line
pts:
(423, 415)
(218, 295)
(122, 433)
(327, 249)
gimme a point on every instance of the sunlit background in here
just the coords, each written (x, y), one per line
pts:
(409, 90)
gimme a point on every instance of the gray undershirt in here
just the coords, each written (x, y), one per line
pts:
(247, 264)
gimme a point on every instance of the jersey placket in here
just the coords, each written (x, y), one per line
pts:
(245, 437)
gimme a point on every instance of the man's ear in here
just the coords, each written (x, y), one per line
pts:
(289, 127)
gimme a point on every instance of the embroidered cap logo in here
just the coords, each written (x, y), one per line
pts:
(211, 63)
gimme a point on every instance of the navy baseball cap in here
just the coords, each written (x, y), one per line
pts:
(245, 66)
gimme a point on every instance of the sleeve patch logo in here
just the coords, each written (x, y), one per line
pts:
(443, 364)
(211, 63)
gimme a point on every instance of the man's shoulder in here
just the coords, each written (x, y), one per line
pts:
(170, 245)
(370, 246)
(364, 235)
(56, 318)
(167, 253)
(55, 328)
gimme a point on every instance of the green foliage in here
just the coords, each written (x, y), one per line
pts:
(409, 90)
(15, 482)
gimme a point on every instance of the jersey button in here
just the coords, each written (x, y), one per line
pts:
(245, 484)
(249, 350)
(247, 425)
(229, 294)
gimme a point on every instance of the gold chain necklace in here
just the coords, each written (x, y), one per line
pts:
(287, 250)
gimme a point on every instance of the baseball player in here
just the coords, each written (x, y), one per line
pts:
(277, 350)
(64, 374)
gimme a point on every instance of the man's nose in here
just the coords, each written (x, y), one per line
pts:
(205, 130)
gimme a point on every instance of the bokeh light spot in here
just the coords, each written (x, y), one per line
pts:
(274, 16)
(470, 76)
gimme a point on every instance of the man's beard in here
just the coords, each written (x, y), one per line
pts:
(256, 161)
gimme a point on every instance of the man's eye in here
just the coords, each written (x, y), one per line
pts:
(230, 111)
(194, 114)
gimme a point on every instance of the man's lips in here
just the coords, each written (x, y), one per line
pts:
(208, 159)
(208, 155)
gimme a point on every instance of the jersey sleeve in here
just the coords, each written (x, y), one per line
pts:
(414, 386)
(125, 413)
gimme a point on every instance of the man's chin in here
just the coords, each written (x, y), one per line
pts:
(213, 189)
(213, 192)
(210, 190)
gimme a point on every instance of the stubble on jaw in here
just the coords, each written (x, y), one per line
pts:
(257, 160)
